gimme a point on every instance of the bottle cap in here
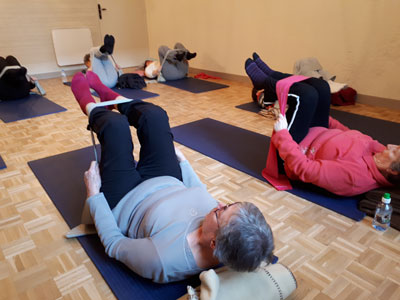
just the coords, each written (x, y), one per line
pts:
(386, 198)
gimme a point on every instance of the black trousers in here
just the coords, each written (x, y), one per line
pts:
(119, 173)
(310, 109)
(13, 84)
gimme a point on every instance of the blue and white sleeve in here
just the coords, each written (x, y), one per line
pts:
(189, 176)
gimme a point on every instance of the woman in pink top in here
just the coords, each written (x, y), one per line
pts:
(318, 149)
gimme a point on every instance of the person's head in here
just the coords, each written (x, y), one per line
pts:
(388, 163)
(147, 62)
(86, 61)
(243, 238)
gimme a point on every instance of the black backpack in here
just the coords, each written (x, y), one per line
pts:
(131, 81)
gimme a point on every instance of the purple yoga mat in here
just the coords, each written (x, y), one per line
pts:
(195, 85)
(247, 151)
(385, 132)
(62, 178)
(2, 163)
(128, 93)
(26, 108)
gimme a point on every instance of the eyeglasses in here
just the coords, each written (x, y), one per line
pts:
(222, 209)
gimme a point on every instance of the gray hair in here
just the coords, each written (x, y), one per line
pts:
(395, 179)
(246, 240)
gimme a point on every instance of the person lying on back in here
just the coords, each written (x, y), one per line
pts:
(316, 148)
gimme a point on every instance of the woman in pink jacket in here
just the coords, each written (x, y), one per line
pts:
(318, 149)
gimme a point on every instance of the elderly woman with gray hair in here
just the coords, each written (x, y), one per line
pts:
(156, 216)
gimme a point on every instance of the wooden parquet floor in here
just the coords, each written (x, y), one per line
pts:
(331, 256)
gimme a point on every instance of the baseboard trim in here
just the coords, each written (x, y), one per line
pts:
(378, 101)
(227, 76)
(48, 75)
(364, 99)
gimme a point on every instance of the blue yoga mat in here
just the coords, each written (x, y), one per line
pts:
(62, 178)
(2, 163)
(247, 151)
(380, 130)
(30, 107)
(195, 85)
(128, 93)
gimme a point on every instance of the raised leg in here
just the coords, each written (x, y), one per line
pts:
(163, 52)
(3, 63)
(103, 67)
(117, 165)
(157, 152)
(311, 109)
(105, 93)
(80, 89)
(12, 61)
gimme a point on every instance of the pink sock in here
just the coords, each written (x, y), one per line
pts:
(105, 93)
(81, 90)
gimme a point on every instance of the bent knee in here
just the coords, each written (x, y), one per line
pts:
(114, 122)
(308, 95)
(154, 113)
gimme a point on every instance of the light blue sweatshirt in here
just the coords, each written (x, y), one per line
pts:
(147, 230)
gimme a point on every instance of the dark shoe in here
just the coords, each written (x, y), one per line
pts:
(108, 46)
(190, 55)
(247, 63)
(179, 56)
(255, 56)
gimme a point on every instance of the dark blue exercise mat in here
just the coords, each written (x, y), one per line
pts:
(195, 85)
(128, 93)
(62, 178)
(247, 151)
(2, 164)
(380, 130)
(32, 106)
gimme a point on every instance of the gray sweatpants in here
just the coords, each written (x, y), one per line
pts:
(103, 67)
(173, 69)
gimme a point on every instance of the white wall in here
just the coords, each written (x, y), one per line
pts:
(358, 40)
(25, 29)
(26, 25)
(126, 21)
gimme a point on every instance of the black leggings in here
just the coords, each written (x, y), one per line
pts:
(8, 61)
(309, 109)
(157, 157)
(13, 84)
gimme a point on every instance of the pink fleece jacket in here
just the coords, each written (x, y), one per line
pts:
(337, 159)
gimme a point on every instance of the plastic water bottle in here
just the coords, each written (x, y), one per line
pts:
(63, 76)
(383, 213)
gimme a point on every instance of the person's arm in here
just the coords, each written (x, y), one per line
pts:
(189, 176)
(31, 81)
(139, 255)
(335, 124)
(336, 176)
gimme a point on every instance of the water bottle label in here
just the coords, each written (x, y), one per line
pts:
(385, 219)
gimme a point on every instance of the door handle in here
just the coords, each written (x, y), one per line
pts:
(99, 10)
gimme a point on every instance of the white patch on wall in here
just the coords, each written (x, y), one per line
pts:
(70, 45)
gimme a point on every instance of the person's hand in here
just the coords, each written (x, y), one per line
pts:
(92, 179)
(179, 155)
(281, 123)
